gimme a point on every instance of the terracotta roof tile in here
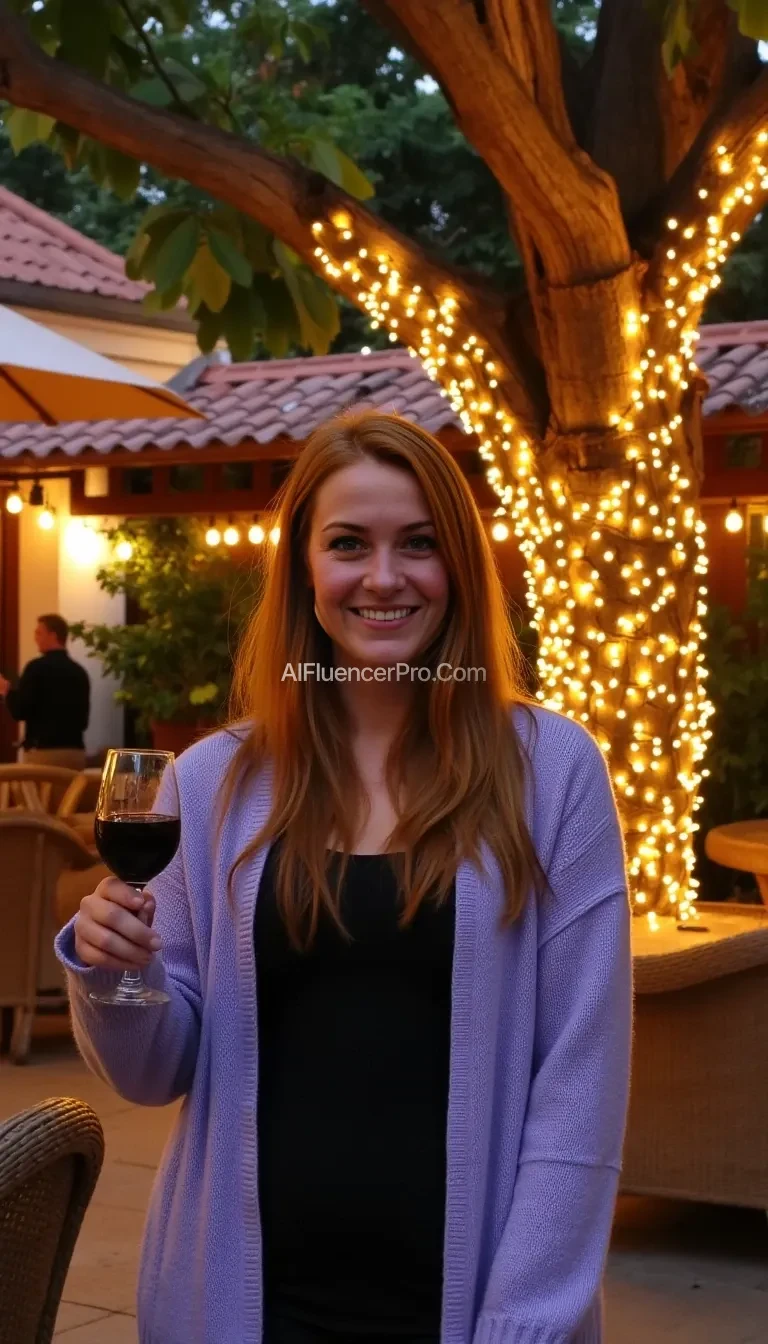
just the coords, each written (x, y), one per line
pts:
(734, 359)
(260, 402)
(37, 249)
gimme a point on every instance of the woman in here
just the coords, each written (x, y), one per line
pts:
(405, 1066)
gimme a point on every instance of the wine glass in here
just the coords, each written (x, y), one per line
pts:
(137, 834)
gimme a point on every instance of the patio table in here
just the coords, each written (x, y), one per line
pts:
(742, 845)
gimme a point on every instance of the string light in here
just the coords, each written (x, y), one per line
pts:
(14, 503)
(499, 531)
(45, 519)
(733, 519)
(604, 563)
(213, 535)
(274, 535)
(231, 534)
(256, 534)
(124, 550)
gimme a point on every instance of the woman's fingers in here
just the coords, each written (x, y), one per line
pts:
(112, 929)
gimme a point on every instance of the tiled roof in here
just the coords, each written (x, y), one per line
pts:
(256, 403)
(288, 398)
(734, 359)
(37, 249)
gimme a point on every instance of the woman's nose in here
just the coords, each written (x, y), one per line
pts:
(384, 571)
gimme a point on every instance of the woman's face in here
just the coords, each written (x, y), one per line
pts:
(380, 584)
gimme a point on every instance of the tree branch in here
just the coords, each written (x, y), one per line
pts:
(567, 204)
(737, 131)
(523, 32)
(645, 121)
(281, 194)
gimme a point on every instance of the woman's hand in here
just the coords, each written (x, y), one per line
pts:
(112, 927)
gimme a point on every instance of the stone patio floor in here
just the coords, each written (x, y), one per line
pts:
(686, 1274)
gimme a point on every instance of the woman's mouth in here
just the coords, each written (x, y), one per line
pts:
(380, 617)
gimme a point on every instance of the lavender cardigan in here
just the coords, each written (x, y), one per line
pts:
(540, 1046)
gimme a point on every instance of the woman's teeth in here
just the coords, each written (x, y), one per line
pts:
(371, 614)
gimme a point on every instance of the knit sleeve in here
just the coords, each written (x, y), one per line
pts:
(147, 1055)
(544, 1284)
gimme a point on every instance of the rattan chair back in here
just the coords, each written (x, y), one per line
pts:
(41, 788)
(50, 1159)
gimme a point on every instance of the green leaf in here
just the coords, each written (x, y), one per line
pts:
(153, 91)
(244, 318)
(324, 157)
(305, 36)
(210, 279)
(69, 143)
(27, 128)
(157, 232)
(257, 245)
(86, 31)
(352, 179)
(129, 57)
(187, 85)
(315, 335)
(230, 257)
(281, 329)
(677, 34)
(153, 301)
(123, 173)
(95, 158)
(163, 210)
(753, 17)
(177, 253)
(134, 257)
(322, 309)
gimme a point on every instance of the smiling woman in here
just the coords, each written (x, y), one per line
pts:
(405, 1049)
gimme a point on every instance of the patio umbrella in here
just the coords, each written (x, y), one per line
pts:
(46, 378)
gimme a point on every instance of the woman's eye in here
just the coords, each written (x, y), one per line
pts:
(344, 543)
(423, 542)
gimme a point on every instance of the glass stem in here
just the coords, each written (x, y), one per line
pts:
(135, 979)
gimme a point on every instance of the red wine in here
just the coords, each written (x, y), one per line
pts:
(138, 845)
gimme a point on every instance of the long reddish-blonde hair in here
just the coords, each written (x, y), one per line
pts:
(456, 769)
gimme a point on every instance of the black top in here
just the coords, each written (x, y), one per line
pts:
(354, 1045)
(53, 699)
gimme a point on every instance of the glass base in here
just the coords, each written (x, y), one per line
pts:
(122, 996)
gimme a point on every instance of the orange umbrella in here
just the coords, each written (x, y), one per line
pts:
(46, 378)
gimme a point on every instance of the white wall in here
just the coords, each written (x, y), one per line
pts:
(57, 573)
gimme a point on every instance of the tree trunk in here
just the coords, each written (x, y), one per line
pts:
(610, 527)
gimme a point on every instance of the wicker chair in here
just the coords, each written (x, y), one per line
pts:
(41, 788)
(698, 1118)
(34, 850)
(50, 1159)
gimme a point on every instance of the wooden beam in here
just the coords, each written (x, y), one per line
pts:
(9, 621)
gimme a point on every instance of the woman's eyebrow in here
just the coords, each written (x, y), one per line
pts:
(360, 527)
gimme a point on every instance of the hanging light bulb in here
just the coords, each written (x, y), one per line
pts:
(733, 519)
(499, 531)
(274, 535)
(256, 534)
(231, 534)
(124, 550)
(36, 497)
(46, 519)
(14, 503)
(213, 535)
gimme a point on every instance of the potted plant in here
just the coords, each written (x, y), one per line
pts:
(174, 663)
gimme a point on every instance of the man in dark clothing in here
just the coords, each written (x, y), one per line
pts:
(52, 698)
